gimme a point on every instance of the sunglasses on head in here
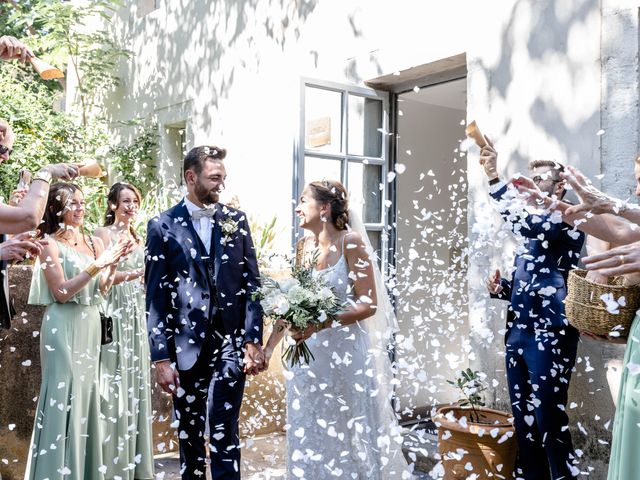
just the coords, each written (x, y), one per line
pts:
(6, 150)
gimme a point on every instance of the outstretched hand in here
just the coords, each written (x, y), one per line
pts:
(616, 261)
(592, 200)
(20, 246)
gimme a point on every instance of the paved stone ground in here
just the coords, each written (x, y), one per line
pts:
(263, 458)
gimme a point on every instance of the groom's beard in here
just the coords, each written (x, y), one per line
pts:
(208, 197)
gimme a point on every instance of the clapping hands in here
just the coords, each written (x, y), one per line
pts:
(116, 251)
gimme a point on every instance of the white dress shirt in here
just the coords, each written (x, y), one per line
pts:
(203, 225)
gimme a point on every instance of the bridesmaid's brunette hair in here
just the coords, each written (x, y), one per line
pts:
(60, 194)
(333, 193)
(113, 200)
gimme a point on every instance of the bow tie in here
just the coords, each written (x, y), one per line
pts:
(203, 212)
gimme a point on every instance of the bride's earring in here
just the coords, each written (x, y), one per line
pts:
(323, 219)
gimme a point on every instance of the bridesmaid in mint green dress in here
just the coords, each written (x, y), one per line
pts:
(624, 463)
(70, 278)
(125, 384)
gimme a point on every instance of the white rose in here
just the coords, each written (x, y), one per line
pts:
(282, 305)
(325, 293)
(288, 283)
(269, 303)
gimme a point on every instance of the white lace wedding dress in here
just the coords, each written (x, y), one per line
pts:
(339, 424)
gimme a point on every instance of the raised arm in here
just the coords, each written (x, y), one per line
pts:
(607, 220)
(28, 213)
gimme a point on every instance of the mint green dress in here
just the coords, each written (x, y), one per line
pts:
(66, 440)
(624, 463)
(125, 384)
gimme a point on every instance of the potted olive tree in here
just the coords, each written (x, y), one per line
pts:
(474, 441)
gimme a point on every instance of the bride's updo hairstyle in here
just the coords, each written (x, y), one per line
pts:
(333, 193)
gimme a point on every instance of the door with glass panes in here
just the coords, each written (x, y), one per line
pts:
(344, 136)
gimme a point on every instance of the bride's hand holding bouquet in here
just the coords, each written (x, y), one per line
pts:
(302, 304)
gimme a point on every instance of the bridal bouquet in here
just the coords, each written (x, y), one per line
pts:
(301, 301)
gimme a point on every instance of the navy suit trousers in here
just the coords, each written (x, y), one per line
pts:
(220, 367)
(539, 368)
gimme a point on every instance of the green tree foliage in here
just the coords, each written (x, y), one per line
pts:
(43, 135)
(73, 36)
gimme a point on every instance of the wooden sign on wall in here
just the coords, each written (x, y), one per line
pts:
(318, 132)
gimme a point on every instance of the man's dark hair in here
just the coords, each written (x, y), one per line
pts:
(198, 155)
(557, 167)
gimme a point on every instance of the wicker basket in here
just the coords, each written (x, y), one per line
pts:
(587, 311)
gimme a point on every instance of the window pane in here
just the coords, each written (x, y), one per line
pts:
(323, 120)
(375, 237)
(364, 126)
(316, 169)
(364, 191)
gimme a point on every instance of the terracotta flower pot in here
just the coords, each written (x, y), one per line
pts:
(486, 449)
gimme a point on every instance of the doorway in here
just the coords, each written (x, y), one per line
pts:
(431, 238)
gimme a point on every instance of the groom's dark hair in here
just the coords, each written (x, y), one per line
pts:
(198, 155)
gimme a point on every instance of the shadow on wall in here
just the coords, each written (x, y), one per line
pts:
(194, 49)
(549, 42)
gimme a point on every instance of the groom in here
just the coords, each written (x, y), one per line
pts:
(203, 325)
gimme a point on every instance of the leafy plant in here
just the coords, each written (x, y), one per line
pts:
(471, 384)
(135, 162)
(264, 235)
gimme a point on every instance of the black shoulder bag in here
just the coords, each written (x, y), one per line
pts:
(106, 322)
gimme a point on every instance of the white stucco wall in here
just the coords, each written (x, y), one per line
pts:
(233, 70)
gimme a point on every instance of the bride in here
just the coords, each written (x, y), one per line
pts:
(339, 406)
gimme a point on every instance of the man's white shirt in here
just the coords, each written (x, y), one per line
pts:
(202, 225)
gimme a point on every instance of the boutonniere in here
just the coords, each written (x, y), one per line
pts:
(228, 226)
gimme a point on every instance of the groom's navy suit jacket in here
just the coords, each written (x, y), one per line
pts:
(178, 297)
(550, 251)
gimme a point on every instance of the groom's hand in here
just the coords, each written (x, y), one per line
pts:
(167, 376)
(254, 361)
